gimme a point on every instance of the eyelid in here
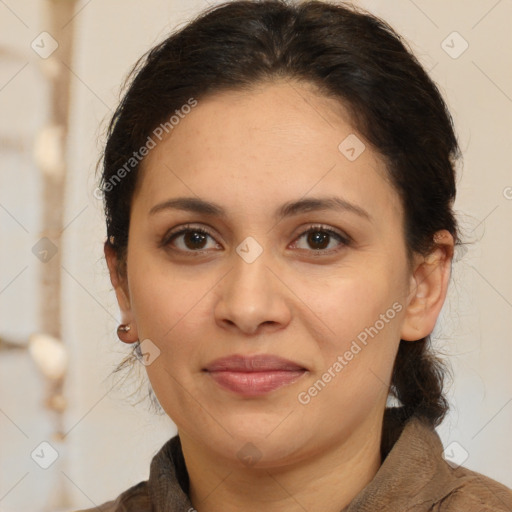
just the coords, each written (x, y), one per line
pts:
(324, 227)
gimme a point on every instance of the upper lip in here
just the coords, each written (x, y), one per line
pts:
(253, 363)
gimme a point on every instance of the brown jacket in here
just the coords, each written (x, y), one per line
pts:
(413, 477)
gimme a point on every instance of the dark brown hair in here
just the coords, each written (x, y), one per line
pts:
(349, 55)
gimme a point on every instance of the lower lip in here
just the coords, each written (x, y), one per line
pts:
(255, 383)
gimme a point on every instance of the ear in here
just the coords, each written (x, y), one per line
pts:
(428, 288)
(120, 283)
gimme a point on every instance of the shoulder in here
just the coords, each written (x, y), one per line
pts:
(416, 476)
(476, 492)
(134, 499)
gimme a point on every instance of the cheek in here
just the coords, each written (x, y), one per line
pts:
(362, 314)
(357, 359)
(159, 296)
(350, 302)
(170, 308)
(165, 310)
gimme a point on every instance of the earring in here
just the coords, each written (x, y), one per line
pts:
(122, 332)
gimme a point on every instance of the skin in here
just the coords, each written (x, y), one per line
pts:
(250, 152)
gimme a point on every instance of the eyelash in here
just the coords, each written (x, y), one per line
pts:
(345, 240)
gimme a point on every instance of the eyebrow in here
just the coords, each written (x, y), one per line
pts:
(289, 209)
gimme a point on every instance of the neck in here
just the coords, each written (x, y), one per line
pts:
(328, 480)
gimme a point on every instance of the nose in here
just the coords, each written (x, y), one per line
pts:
(251, 298)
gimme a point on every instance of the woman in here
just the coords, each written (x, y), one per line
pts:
(278, 183)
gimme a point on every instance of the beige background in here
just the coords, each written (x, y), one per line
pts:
(109, 443)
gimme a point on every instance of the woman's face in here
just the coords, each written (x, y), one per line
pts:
(332, 302)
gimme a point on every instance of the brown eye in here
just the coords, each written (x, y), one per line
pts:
(194, 239)
(318, 238)
(188, 239)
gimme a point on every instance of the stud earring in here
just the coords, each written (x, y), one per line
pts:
(122, 332)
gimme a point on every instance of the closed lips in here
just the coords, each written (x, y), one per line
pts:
(254, 363)
(254, 376)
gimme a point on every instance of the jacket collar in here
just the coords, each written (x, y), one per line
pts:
(413, 475)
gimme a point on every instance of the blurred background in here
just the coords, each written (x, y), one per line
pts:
(71, 436)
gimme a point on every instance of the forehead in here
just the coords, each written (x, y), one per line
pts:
(277, 142)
